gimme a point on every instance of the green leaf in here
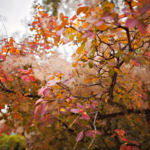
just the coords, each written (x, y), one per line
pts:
(111, 72)
(90, 65)
(119, 53)
(126, 59)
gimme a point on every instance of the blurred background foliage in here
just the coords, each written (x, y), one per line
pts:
(12, 142)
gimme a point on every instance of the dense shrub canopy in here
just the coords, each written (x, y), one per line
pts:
(99, 100)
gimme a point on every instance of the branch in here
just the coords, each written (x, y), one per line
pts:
(128, 111)
(95, 118)
(128, 36)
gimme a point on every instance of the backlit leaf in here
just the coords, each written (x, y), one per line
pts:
(38, 101)
(51, 83)
(79, 50)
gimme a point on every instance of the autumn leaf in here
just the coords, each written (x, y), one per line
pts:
(43, 109)
(38, 101)
(51, 83)
(88, 133)
(79, 136)
(63, 110)
(85, 116)
(60, 31)
(79, 10)
(135, 142)
(131, 22)
(129, 148)
(3, 80)
(79, 50)
(123, 147)
(75, 110)
(90, 65)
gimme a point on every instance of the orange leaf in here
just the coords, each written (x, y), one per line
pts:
(79, 50)
(80, 9)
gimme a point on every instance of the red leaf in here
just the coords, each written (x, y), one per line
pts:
(116, 130)
(75, 110)
(135, 142)
(93, 106)
(85, 116)
(68, 100)
(124, 139)
(43, 108)
(131, 22)
(27, 79)
(88, 106)
(80, 106)
(51, 83)
(43, 124)
(129, 148)
(38, 101)
(144, 96)
(122, 131)
(135, 148)
(99, 23)
(32, 78)
(123, 147)
(50, 121)
(46, 91)
(113, 135)
(36, 109)
(3, 80)
(9, 78)
(2, 57)
(97, 132)
(88, 133)
(23, 77)
(79, 136)
(142, 27)
(144, 9)
(40, 91)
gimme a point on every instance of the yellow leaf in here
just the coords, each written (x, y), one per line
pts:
(117, 70)
(79, 50)
(107, 6)
(57, 79)
(77, 24)
(86, 58)
(63, 109)
(105, 40)
(74, 64)
(93, 80)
